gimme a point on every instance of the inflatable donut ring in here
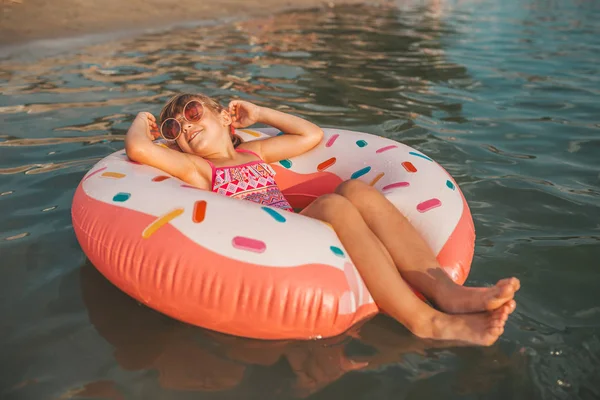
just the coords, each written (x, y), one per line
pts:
(244, 269)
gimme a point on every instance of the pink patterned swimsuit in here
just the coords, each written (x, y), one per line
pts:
(253, 181)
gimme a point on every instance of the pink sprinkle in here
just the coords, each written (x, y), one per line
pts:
(395, 185)
(386, 148)
(428, 205)
(94, 173)
(246, 243)
(332, 140)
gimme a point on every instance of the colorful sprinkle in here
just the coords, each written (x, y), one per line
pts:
(199, 211)
(251, 133)
(246, 243)
(428, 205)
(420, 155)
(121, 196)
(276, 216)
(326, 164)
(286, 163)
(377, 178)
(409, 166)
(160, 178)
(280, 133)
(337, 251)
(386, 148)
(329, 225)
(115, 175)
(396, 185)
(450, 184)
(332, 140)
(361, 143)
(160, 222)
(360, 172)
(94, 173)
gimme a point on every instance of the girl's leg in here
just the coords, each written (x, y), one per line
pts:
(391, 293)
(415, 260)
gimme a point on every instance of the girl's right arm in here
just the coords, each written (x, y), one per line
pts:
(140, 148)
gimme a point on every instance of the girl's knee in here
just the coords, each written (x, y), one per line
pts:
(354, 189)
(329, 207)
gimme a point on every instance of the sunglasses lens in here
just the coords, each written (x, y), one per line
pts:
(193, 111)
(170, 129)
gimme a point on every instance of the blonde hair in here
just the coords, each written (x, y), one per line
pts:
(175, 106)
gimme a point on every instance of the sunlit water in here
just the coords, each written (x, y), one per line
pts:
(504, 95)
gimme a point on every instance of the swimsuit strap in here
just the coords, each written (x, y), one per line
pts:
(213, 174)
(249, 152)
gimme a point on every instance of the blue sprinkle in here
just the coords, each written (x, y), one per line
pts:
(276, 216)
(360, 172)
(420, 155)
(361, 143)
(450, 184)
(280, 133)
(286, 163)
(337, 251)
(121, 197)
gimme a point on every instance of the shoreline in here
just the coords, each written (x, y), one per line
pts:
(28, 21)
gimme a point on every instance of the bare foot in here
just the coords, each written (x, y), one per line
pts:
(458, 299)
(482, 328)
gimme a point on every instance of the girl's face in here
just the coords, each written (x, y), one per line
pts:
(205, 135)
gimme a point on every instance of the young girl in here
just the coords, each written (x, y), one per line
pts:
(387, 251)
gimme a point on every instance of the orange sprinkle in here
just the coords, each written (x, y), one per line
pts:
(409, 166)
(326, 164)
(377, 178)
(160, 222)
(116, 175)
(199, 211)
(251, 133)
(160, 178)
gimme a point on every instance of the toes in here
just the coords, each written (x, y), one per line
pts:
(500, 317)
(511, 306)
(516, 284)
(496, 330)
(507, 286)
(501, 313)
(496, 323)
(512, 283)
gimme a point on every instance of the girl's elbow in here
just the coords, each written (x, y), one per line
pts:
(317, 136)
(135, 153)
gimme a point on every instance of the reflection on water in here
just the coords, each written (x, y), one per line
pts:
(502, 94)
(191, 359)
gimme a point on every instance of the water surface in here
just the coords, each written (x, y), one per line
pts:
(503, 94)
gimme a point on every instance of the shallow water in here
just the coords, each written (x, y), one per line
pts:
(503, 94)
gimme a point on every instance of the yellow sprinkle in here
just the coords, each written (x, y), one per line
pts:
(377, 178)
(160, 221)
(329, 225)
(162, 145)
(116, 175)
(251, 133)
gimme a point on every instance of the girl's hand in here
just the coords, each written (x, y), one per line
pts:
(243, 113)
(147, 122)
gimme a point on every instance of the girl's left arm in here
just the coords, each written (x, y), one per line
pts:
(300, 135)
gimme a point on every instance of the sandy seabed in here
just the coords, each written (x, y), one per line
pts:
(23, 21)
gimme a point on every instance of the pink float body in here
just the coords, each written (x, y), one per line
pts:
(275, 280)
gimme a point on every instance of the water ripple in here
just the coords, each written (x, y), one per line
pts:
(502, 94)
